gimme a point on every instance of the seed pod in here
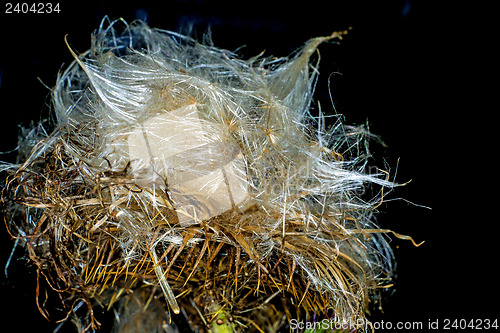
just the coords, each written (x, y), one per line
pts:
(177, 170)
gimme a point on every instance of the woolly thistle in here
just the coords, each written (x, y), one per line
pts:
(175, 169)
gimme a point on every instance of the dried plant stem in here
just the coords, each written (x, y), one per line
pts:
(165, 287)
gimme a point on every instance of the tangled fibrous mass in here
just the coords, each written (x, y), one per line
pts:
(184, 182)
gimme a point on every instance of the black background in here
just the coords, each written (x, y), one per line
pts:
(397, 69)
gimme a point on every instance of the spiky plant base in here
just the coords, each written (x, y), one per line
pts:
(183, 181)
